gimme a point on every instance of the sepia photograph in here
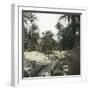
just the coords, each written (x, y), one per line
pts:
(50, 43)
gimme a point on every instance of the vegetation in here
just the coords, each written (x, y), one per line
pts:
(31, 35)
(70, 36)
(67, 63)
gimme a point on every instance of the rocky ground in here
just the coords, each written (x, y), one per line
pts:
(38, 64)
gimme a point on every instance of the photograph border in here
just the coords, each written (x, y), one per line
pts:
(16, 54)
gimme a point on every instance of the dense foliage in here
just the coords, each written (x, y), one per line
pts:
(31, 36)
(69, 37)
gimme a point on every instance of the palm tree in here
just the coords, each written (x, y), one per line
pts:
(73, 27)
(33, 33)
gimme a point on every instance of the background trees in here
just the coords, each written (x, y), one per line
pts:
(32, 39)
(47, 42)
(31, 34)
(69, 37)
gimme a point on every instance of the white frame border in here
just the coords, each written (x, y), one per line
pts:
(16, 41)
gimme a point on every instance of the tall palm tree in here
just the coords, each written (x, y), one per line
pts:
(33, 34)
(72, 28)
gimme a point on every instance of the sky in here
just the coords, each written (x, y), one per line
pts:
(47, 22)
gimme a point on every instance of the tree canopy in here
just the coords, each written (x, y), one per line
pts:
(69, 37)
(31, 35)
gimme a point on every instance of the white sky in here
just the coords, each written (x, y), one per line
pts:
(47, 21)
